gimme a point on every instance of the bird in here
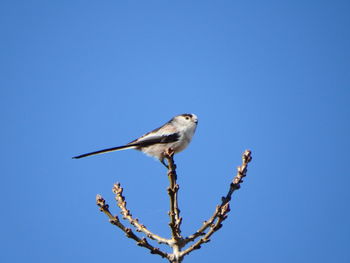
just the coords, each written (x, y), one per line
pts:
(176, 134)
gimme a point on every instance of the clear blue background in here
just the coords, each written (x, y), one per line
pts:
(271, 76)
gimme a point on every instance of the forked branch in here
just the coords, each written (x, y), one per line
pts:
(176, 242)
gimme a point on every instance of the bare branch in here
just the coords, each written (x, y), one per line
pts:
(118, 190)
(174, 213)
(177, 242)
(221, 210)
(128, 232)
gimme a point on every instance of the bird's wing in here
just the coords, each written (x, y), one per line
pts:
(154, 139)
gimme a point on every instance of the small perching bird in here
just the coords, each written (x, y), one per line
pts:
(176, 134)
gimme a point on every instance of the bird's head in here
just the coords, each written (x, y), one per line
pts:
(186, 120)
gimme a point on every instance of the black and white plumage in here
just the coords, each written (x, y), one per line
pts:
(175, 134)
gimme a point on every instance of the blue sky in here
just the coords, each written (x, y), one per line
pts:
(270, 76)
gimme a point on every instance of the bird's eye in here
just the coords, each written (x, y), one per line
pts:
(187, 118)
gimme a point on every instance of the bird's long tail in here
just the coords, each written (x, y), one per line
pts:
(119, 148)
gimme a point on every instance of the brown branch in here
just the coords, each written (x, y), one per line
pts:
(174, 213)
(221, 210)
(128, 232)
(177, 242)
(221, 216)
(118, 191)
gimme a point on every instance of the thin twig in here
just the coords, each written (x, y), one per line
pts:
(118, 191)
(221, 216)
(128, 232)
(221, 210)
